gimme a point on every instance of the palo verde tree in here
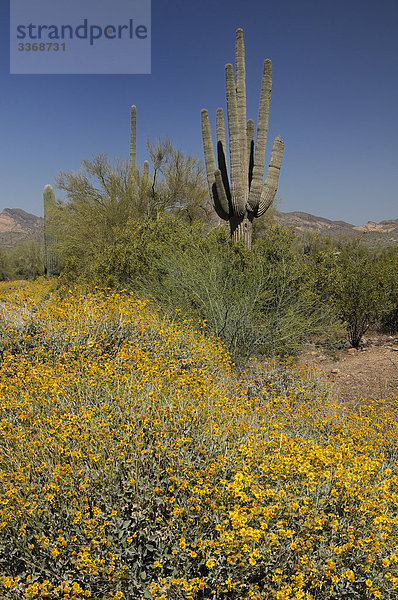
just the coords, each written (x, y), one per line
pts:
(176, 184)
(241, 196)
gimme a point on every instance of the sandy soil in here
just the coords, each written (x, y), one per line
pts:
(371, 372)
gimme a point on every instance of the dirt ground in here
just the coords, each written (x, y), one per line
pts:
(371, 372)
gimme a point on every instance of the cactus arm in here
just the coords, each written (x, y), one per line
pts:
(210, 163)
(238, 206)
(221, 192)
(271, 181)
(261, 141)
(220, 127)
(241, 108)
(221, 150)
(250, 149)
(133, 138)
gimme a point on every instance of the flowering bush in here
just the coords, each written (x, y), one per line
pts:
(134, 464)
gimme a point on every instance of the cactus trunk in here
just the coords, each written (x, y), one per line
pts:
(133, 143)
(241, 229)
(241, 195)
(50, 257)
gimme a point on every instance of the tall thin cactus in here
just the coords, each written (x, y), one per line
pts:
(50, 258)
(241, 195)
(138, 181)
(133, 143)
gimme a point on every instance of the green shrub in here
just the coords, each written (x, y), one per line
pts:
(388, 281)
(360, 284)
(26, 261)
(259, 301)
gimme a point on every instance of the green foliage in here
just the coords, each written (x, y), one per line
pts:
(25, 261)
(388, 281)
(360, 283)
(103, 206)
(185, 188)
(4, 265)
(133, 258)
(258, 301)
(151, 235)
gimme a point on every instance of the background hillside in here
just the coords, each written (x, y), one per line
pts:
(384, 233)
(17, 225)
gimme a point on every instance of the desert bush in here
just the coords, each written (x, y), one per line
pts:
(132, 258)
(26, 261)
(388, 281)
(257, 301)
(4, 265)
(133, 464)
(360, 283)
(103, 203)
(177, 185)
(359, 292)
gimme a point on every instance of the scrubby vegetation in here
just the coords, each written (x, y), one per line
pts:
(24, 261)
(267, 300)
(134, 464)
(137, 461)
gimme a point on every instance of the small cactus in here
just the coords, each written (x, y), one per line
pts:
(50, 258)
(241, 195)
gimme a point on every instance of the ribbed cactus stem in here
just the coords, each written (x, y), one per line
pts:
(242, 196)
(222, 196)
(262, 131)
(211, 167)
(241, 107)
(241, 229)
(222, 151)
(250, 149)
(50, 258)
(133, 141)
(237, 199)
(271, 181)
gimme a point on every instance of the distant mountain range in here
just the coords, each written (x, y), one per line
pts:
(18, 226)
(384, 233)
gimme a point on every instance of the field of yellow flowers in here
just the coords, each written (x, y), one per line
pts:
(134, 464)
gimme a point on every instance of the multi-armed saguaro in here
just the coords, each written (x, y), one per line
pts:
(243, 195)
(51, 260)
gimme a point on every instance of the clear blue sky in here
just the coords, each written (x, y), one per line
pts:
(334, 101)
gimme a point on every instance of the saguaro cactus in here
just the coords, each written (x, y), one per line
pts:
(242, 196)
(50, 258)
(133, 134)
(135, 178)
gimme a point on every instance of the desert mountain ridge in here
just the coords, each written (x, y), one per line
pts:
(17, 225)
(304, 221)
(384, 233)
